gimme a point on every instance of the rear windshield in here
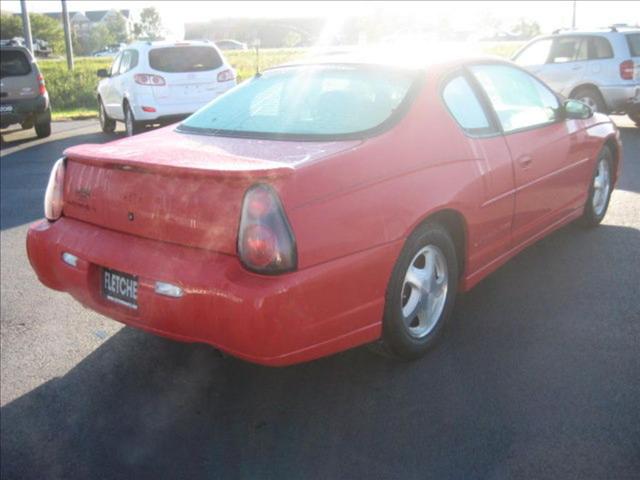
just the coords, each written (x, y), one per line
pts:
(184, 59)
(14, 63)
(633, 39)
(306, 101)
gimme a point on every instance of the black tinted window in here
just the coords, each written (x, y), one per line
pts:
(184, 59)
(600, 48)
(14, 63)
(464, 106)
(633, 39)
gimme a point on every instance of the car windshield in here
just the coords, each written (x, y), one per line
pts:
(14, 63)
(184, 59)
(306, 101)
(633, 39)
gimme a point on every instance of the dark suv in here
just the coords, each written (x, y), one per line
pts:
(23, 96)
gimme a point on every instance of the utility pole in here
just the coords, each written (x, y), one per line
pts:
(573, 21)
(26, 26)
(67, 35)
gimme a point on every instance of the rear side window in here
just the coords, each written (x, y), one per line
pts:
(633, 39)
(115, 65)
(519, 99)
(14, 63)
(129, 60)
(184, 59)
(599, 48)
(465, 107)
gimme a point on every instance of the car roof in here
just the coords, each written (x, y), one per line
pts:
(598, 31)
(15, 47)
(390, 58)
(170, 43)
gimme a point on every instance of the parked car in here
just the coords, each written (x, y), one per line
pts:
(322, 206)
(600, 68)
(23, 95)
(160, 82)
(231, 45)
(41, 48)
(110, 50)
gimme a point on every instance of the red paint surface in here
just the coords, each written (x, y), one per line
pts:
(351, 206)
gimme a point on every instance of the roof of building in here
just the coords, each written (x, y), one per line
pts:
(93, 15)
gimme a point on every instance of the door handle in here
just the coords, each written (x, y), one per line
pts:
(525, 161)
(576, 67)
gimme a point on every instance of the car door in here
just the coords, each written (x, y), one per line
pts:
(567, 63)
(120, 83)
(550, 166)
(109, 93)
(490, 233)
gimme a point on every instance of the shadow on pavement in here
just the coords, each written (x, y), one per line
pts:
(499, 398)
(25, 173)
(630, 178)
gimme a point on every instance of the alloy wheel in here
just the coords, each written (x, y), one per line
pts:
(601, 187)
(424, 291)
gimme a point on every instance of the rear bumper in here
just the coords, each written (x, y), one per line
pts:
(23, 109)
(621, 98)
(275, 320)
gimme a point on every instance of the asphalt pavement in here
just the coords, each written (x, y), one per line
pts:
(538, 376)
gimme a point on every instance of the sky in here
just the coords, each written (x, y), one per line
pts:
(464, 14)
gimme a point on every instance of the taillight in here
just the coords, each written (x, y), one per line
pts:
(626, 70)
(148, 79)
(265, 240)
(226, 75)
(53, 197)
(42, 89)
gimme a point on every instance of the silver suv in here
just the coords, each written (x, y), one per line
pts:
(600, 68)
(23, 96)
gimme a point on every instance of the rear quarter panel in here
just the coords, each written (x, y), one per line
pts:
(378, 192)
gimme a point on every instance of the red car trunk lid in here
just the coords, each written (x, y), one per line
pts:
(178, 188)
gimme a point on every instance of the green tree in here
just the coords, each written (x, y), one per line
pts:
(99, 38)
(10, 26)
(47, 29)
(42, 27)
(150, 25)
(527, 28)
(117, 27)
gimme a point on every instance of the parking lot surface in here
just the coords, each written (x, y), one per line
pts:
(537, 377)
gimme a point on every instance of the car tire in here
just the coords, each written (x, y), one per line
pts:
(420, 295)
(600, 189)
(43, 124)
(592, 97)
(108, 125)
(131, 126)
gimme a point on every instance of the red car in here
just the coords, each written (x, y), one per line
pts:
(321, 206)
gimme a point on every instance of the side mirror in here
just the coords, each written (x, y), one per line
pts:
(576, 110)
(102, 73)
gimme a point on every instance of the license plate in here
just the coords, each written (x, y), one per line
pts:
(6, 108)
(120, 287)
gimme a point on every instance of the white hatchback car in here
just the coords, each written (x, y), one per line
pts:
(600, 68)
(161, 82)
